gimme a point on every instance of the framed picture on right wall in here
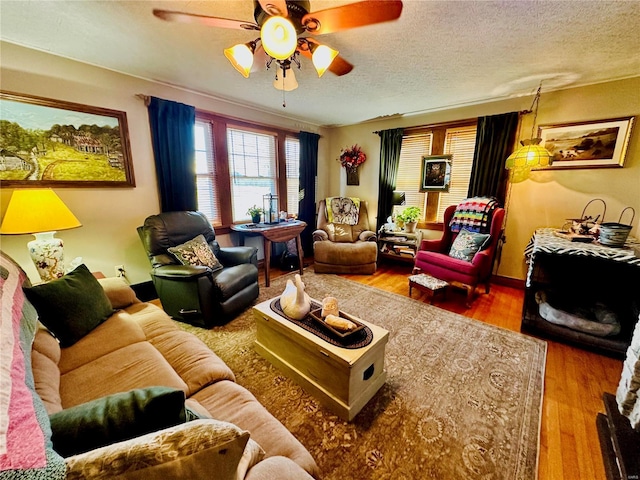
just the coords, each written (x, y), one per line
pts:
(594, 144)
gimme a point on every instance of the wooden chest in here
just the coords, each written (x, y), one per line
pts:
(342, 379)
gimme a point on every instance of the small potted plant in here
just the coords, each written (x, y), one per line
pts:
(255, 212)
(409, 217)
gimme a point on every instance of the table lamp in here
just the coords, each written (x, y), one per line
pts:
(40, 212)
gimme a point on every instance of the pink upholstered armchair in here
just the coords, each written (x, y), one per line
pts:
(433, 256)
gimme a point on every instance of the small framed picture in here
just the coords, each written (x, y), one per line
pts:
(595, 144)
(436, 173)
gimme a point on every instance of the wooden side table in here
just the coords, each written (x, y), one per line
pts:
(276, 232)
(429, 284)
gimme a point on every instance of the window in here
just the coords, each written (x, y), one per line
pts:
(408, 181)
(205, 173)
(237, 163)
(252, 170)
(292, 154)
(455, 139)
(459, 142)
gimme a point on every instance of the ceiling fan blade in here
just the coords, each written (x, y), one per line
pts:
(351, 16)
(275, 7)
(183, 17)
(338, 67)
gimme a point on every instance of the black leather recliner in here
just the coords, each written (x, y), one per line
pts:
(196, 294)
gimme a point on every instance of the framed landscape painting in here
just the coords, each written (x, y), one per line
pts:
(436, 173)
(53, 143)
(596, 144)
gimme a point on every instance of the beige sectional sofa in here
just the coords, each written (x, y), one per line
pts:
(139, 346)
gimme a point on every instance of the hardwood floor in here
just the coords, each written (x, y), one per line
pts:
(575, 379)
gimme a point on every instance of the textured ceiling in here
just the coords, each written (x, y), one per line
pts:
(438, 55)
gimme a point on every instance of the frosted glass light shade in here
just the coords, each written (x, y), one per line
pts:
(530, 155)
(322, 58)
(241, 57)
(279, 37)
(285, 81)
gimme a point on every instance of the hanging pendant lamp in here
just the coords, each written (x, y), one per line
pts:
(531, 154)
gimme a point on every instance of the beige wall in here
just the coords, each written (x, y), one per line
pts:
(548, 197)
(110, 216)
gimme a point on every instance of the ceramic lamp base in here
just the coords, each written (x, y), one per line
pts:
(47, 254)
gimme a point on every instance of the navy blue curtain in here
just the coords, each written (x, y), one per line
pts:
(307, 186)
(494, 142)
(390, 145)
(172, 134)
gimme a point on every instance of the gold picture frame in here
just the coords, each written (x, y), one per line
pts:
(592, 144)
(53, 143)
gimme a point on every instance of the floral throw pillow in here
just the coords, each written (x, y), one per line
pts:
(196, 252)
(467, 244)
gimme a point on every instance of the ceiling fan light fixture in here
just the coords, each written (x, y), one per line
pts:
(279, 37)
(322, 58)
(241, 57)
(285, 80)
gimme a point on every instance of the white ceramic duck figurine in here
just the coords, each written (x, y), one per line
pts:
(294, 301)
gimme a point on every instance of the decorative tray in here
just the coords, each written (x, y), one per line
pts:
(316, 315)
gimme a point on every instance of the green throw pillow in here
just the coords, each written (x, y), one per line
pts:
(467, 244)
(116, 418)
(71, 306)
(196, 252)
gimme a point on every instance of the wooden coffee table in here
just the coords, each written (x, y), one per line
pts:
(342, 379)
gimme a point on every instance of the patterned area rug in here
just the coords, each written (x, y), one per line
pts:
(462, 399)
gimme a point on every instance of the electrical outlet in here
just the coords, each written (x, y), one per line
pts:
(120, 272)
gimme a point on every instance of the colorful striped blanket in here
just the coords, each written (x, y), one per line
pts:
(474, 214)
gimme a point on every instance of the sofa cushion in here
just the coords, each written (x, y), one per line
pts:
(71, 306)
(467, 244)
(135, 366)
(45, 355)
(25, 434)
(196, 252)
(198, 449)
(237, 405)
(281, 468)
(118, 292)
(118, 331)
(196, 363)
(116, 417)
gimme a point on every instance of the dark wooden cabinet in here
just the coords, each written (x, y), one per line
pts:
(580, 275)
(620, 444)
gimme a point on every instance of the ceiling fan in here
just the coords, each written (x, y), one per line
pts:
(283, 27)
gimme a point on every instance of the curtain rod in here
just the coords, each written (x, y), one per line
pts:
(145, 98)
(467, 120)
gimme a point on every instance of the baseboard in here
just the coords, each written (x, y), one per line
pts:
(508, 282)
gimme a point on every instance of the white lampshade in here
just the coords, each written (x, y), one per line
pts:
(279, 37)
(322, 58)
(241, 57)
(285, 80)
(40, 212)
(35, 211)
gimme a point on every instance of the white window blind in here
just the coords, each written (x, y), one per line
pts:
(460, 143)
(252, 168)
(206, 172)
(414, 147)
(292, 154)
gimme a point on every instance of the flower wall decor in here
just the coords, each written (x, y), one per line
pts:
(351, 158)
